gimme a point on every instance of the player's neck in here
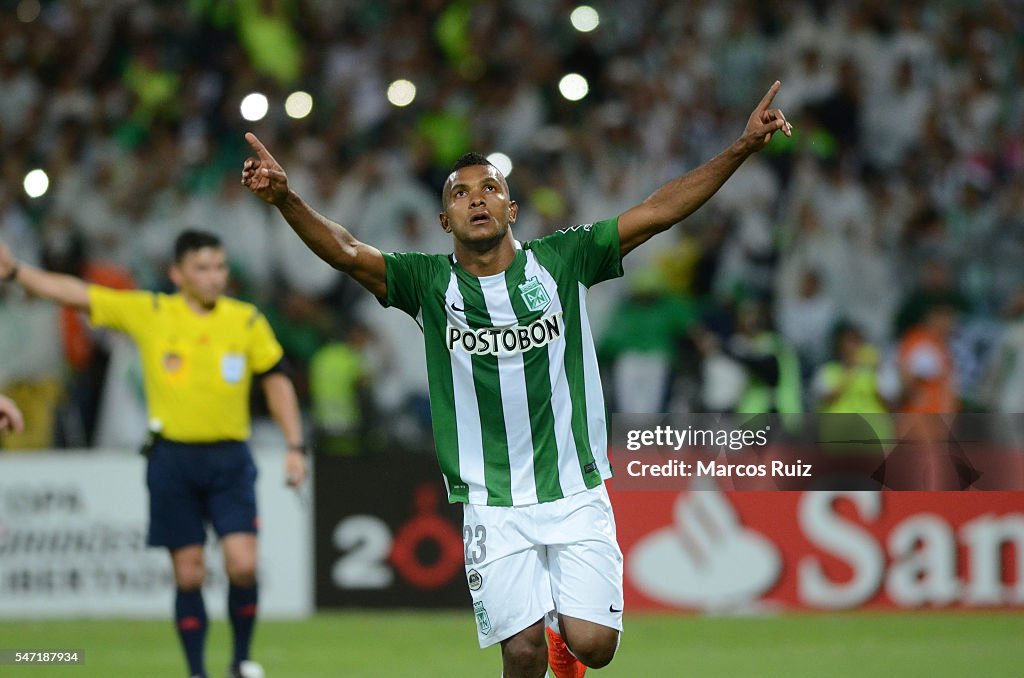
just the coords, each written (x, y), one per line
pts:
(490, 261)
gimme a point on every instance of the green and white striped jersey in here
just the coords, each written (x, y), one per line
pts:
(516, 400)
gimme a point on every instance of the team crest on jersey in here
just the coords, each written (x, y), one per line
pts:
(534, 295)
(482, 620)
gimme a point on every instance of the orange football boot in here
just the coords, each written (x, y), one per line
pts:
(562, 662)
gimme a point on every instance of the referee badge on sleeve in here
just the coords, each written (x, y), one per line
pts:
(232, 367)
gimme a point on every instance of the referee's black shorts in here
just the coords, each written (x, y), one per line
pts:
(192, 484)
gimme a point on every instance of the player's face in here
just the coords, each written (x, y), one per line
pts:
(478, 209)
(202, 275)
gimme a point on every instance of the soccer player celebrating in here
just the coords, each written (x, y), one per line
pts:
(518, 414)
(199, 352)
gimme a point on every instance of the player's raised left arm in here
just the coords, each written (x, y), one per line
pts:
(681, 197)
(284, 407)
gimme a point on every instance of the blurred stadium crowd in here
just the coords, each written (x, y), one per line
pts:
(871, 262)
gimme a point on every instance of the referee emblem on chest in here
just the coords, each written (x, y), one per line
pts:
(534, 295)
(232, 367)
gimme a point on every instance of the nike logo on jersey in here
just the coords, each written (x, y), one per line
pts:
(611, 608)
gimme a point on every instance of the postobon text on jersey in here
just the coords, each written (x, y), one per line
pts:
(505, 340)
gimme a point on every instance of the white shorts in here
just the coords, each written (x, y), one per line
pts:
(526, 562)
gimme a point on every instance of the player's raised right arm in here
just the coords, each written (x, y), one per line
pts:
(330, 241)
(64, 289)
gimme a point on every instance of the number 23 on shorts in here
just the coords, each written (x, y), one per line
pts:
(475, 539)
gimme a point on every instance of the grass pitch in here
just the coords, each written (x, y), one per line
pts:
(443, 645)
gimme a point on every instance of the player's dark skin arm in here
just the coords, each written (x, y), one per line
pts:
(682, 196)
(330, 241)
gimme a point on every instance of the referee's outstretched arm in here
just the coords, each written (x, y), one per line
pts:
(681, 197)
(64, 289)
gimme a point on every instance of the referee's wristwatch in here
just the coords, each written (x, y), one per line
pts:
(301, 448)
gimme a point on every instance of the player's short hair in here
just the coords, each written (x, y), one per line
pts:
(470, 159)
(192, 240)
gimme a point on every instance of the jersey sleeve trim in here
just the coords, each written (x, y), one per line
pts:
(282, 366)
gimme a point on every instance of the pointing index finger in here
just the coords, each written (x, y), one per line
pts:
(258, 146)
(765, 102)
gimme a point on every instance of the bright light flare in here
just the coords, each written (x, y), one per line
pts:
(36, 183)
(254, 107)
(401, 93)
(585, 18)
(298, 105)
(573, 86)
(501, 161)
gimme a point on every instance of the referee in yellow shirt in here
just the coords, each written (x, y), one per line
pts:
(199, 352)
